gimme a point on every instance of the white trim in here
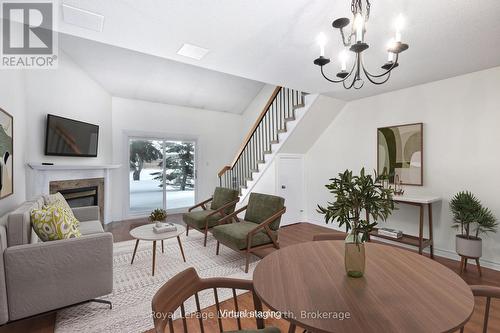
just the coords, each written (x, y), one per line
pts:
(59, 167)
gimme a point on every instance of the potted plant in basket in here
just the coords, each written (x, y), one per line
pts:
(471, 219)
(159, 216)
(357, 200)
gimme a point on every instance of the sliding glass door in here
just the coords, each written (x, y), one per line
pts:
(162, 174)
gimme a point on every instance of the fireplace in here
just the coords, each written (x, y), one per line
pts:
(81, 197)
(81, 192)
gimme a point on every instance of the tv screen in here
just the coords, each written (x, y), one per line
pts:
(67, 137)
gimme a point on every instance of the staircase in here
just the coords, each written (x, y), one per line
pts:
(264, 140)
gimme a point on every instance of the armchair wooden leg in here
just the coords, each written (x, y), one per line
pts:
(187, 230)
(247, 261)
(162, 247)
(217, 251)
(206, 235)
(292, 328)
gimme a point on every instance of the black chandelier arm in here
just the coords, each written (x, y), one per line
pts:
(331, 80)
(338, 81)
(394, 64)
(356, 77)
(350, 85)
(370, 78)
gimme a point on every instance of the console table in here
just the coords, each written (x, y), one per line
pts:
(419, 241)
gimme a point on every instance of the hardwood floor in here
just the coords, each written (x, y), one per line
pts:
(293, 234)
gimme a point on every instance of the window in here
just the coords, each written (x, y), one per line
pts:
(162, 174)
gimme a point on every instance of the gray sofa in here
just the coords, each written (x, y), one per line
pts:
(36, 277)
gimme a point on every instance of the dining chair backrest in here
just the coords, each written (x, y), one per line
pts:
(176, 291)
(489, 292)
(329, 236)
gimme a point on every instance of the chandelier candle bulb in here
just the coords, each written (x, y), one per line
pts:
(343, 60)
(400, 21)
(321, 39)
(358, 25)
(390, 56)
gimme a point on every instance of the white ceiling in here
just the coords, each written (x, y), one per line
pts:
(131, 74)
(273, 41)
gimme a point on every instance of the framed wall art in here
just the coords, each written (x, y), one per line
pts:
(6, 154)
(400, 153)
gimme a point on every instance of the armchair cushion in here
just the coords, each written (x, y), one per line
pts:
(235, 235)
(196, 219)
(262, 206)
(224, 196)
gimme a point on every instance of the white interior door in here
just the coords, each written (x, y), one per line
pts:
(290, 185)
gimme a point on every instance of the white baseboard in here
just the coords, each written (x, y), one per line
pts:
(437, 251)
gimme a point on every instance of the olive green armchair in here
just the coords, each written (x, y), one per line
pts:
(222, 204)
(259, 228)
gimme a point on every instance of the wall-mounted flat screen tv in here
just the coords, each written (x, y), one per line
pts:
(68, 137)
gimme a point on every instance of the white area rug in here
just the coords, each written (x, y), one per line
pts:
(134, 286)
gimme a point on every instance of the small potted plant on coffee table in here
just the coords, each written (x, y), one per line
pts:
(471, 219)
(357, 200)
(158, 216)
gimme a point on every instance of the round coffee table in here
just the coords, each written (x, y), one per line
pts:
(146, 233)
(401, 291)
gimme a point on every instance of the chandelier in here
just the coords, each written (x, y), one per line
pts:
(354, 41)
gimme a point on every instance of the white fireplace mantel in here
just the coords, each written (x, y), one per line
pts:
(45, 167)
(42, 175)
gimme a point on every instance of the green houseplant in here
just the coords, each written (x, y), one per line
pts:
(158, 215)
(357, 200)
(471, 219)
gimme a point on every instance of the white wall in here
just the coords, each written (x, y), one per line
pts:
(69, 92)
(461, 119)
(218, 136)
(12, 99)
(254, 109)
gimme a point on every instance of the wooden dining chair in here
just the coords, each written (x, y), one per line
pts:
(329, 236)
(489, 292)
(173, 294)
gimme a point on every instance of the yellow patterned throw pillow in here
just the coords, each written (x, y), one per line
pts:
(54, 223)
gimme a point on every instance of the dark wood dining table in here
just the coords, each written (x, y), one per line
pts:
(400, 291)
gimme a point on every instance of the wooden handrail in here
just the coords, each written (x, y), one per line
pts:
(251, 132)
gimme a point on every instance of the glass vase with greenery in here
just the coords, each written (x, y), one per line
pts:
(471, 219)
(358, 199)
